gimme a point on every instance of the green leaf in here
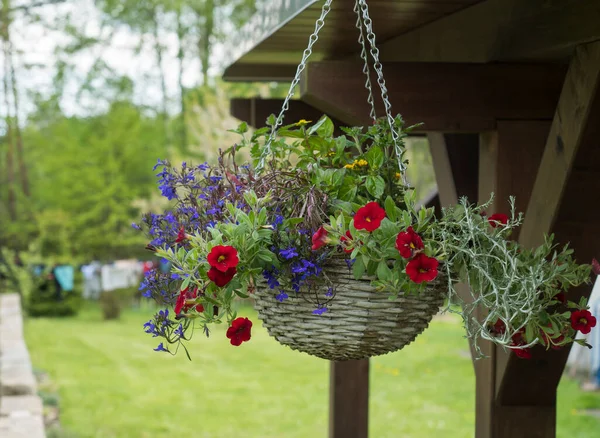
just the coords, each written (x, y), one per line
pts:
(358, 269)
(384, 273)
(323, 128)
(185, 283)
(375, 157)
(375, 186)
(390, 209)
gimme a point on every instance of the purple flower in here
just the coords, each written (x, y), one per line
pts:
(179, 331)
(288, 253)
(213, 210)
(320, 310)
(270, 277)
(135, 226)
(160, 348)
(282, 296)
(329, 292)
(278, 221)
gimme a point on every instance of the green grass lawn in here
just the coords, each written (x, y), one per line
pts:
(111, 384)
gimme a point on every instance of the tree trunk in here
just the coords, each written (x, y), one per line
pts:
(180, 57)
(163, 83)
(17, 127)
(10, 172)
(206, 32)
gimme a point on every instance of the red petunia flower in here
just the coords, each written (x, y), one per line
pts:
(519, 340)
(422, 268)
(561, 296)
(223, 257)
(319, 239)
(583, 321)
(181, 236)
(239, 331)
(369, 217)
(499, 327)
(180, 302)
(347, 238)
(184, 295)
(595, 267)
(522, 353)
(221, 278)
(190, 296)
(408, 242)
(498, 219)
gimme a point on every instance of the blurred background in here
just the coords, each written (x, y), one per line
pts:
(92, 93)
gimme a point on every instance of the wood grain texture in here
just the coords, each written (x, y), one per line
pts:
(444, 97)
(570, 121)
(349, 399)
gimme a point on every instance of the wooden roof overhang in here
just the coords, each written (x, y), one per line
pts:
(509, 94)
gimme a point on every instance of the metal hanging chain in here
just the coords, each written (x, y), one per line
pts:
(364, 57)
(286, 103)
(384, 94)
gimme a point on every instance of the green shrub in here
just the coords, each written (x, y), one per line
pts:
(112, 302)
(46, 300)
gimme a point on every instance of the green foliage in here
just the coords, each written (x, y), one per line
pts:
(45, 301)
(113, 302)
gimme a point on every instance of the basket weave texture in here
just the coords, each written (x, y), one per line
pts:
(359, 323)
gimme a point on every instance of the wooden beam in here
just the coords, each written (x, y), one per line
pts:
(256, 72)
(349, 399)
(255, 111)
(564, 140)
(445, 97)
(572, 140)
(500, 30)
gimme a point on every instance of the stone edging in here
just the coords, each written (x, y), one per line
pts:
(21, 411)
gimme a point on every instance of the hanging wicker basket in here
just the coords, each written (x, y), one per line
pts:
(359, 323)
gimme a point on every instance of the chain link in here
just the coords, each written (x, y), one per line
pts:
(286, 103)
(384, 94)
(363, 55)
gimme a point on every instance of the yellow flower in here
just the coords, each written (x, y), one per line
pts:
(349, 166)
(361, 162)
(398, 175)
(302, 122)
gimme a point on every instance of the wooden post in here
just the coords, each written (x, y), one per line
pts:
(349, 399)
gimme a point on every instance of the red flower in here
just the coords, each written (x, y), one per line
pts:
(595, 267)
(498, 219)
(180, 302)
(181, 236)
(522, 353)
(223, 258)
(408, 242)
(422, 268)
(583, 321)
(519, 340)
(319, 238)
(190, 296)
(499, 327)
(239, 331)
(221, 278)
(347, 238)
(369, 217)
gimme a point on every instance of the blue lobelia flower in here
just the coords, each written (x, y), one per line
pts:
(160, 347)
(282, 296)
(320, 310)
(288, 253)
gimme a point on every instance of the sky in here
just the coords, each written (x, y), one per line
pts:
(35, 65)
